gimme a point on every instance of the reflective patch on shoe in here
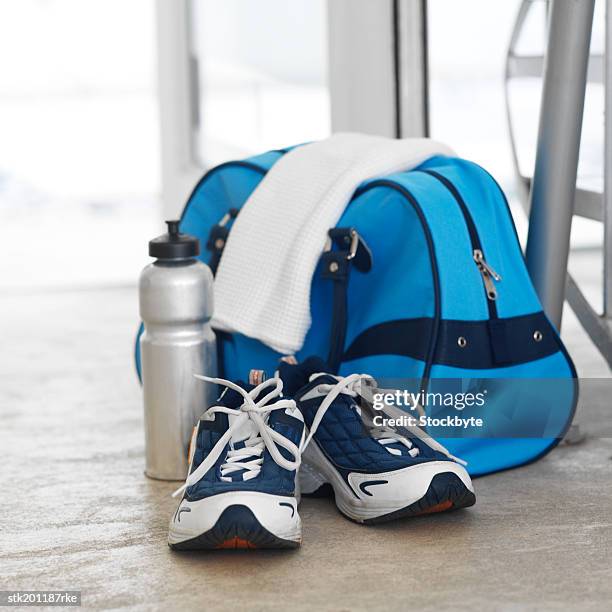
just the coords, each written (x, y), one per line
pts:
(370, 483)
(288, 505)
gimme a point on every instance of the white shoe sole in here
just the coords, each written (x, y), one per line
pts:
(238, 519)
(423, 488)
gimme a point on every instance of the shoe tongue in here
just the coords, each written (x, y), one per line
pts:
(295, 376)
(233, 399)
(246, 429)
(323, 378)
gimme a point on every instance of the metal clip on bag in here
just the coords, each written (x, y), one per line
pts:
(423, 278)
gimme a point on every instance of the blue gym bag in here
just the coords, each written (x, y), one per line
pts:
(423, 279)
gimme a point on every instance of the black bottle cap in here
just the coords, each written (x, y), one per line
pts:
(174, 245)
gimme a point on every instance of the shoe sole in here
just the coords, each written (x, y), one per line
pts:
(237, 528)
(446, 490)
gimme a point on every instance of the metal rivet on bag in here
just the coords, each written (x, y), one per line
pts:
(462, 342)
(537, 335)
(333, 266)
(219, 243)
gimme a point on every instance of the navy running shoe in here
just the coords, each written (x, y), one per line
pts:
(241, 487)
(377, 473)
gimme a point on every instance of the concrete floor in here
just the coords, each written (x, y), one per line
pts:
(77, 512)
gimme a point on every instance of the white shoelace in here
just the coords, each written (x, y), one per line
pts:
(250, 456)
(353, 385)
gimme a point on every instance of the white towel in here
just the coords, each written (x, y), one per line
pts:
(262, 286)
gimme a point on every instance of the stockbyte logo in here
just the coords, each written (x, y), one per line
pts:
(424, 421)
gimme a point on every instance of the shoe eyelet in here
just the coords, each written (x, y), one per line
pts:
(462, 342)
(537, 335)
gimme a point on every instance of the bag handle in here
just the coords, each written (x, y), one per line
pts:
(217, 239)
(350, 250)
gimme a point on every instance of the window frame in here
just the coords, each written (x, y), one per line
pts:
(377, 80)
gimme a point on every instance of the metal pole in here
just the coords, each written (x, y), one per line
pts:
(607, 191)
(362, 66)
(411, 67)
(554, 180)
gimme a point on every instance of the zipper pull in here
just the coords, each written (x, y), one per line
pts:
(481, 262)
(488, 274)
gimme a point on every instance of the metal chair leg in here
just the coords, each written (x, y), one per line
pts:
(554, 181)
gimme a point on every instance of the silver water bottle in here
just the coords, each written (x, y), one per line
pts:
(176, 303)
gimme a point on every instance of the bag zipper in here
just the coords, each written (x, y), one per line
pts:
(487, 273)
(489, 276)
